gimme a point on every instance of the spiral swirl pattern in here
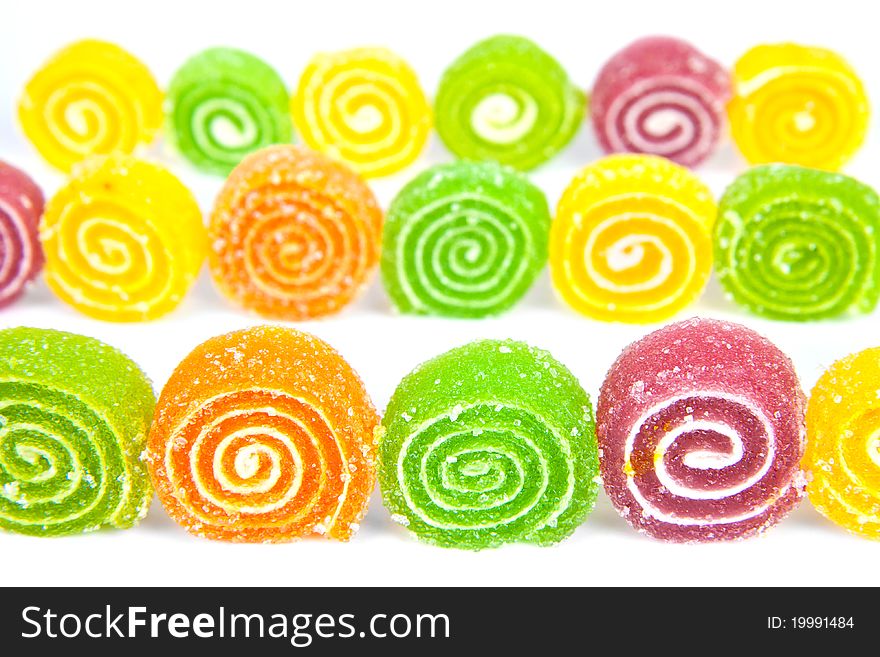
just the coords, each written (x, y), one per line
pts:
(632, 239)
(843, 444)
(507, 100)
(73, 420)
(701, 433)
(91, 98)
(124, 240)
(661, 96)
(487, 444)
(465, 239)
(21, 256)
(797, 105)
(294, 234)
(363, 106)
(799, 244)
(224, 103)
(264, 435)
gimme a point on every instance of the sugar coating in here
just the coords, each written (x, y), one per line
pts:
(21, 256)
(124, 239)
(701, 432)
(798, 105)
(843, 451)
(294, 235)
(74, 414)
(103, 100)
(224, 103)
(799, 244)
(507, 100)
(631, 240)
(465, 239)
(264, 435)
(364, 107)
(661, 96)
(487, 444)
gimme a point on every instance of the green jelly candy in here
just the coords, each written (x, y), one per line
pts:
(490, 443)
(507, 100)
(465, 239)
(223, 104)
(799, 244)
(74, 416)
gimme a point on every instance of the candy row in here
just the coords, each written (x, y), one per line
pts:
(505, 100)
(267, 435)
(295, 235)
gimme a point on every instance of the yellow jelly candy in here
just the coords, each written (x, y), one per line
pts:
(843, 443)
(124, 239)
(91, 98)
(363, 106)
(631, 240)
(797, 105)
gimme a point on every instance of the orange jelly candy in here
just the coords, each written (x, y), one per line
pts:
(294, 234)
(264, 435)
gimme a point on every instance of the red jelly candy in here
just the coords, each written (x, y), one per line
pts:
(21, 258)
(661, 96)
(701, 433)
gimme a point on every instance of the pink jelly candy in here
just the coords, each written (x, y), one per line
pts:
(21, 206)
(701, 433)
(661, 96)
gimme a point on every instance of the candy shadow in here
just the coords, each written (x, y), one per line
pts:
(38, 294)
(157, 520)
(203, 296)
(377, 523)
(436, 152)
(605, 520)
(724, 160)
(806, 516)
(372, 301)
(715, 300)
(582, 150)
(541, 295)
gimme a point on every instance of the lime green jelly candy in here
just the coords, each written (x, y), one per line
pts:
(74, 416)
(490, 443)
(465, 239)
(507, 100)
(799, 244)
(223, 104)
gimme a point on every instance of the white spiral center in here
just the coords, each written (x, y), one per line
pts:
(628, 253)
(663, 116)
(501, 119)
(215, 114)
(702, 460)
(366, 119)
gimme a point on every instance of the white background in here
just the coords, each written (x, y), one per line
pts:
(803, 549)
